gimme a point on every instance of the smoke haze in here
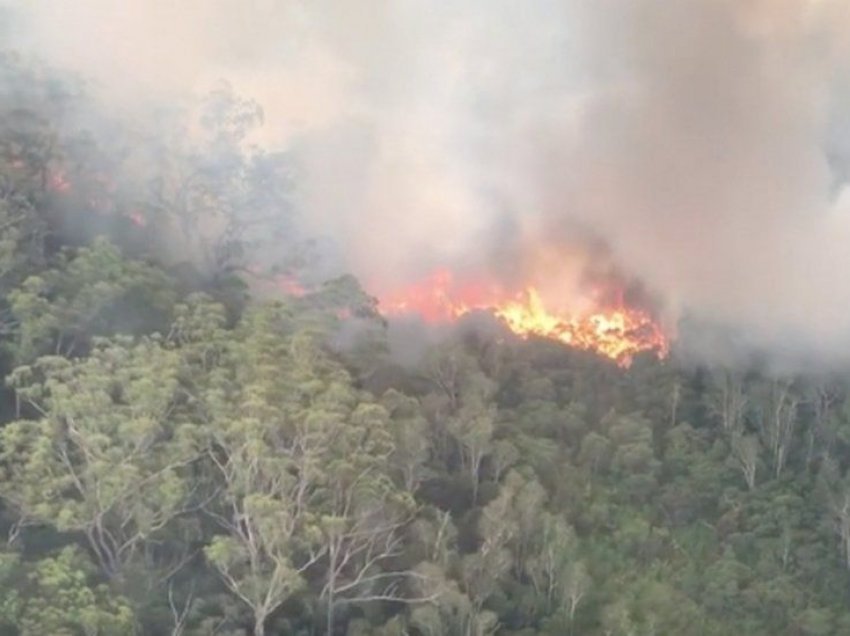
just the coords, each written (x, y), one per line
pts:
(704, 143)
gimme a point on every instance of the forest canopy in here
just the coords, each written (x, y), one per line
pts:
(188, 449)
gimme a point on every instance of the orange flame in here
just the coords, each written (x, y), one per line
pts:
(57, 181)
(291, 286)
(137, 218)
(617, 332)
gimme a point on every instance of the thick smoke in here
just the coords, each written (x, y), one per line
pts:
(703, 143)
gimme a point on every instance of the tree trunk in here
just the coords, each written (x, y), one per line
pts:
(330, 613)
(329, 617)
(674, 403)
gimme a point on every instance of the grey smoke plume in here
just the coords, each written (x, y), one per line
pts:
(705, 142)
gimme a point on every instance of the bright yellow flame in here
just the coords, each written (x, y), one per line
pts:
(618, 333)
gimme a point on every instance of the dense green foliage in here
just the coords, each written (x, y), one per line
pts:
(180, 458)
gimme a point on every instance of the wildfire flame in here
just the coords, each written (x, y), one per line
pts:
(57, 181)
(613, 330)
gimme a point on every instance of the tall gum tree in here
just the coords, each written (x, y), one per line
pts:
(302, 463)
(107, 450)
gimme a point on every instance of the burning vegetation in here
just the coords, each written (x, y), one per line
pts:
(208, 425)
(611, 328)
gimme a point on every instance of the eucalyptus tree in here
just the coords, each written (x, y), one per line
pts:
(107, 449)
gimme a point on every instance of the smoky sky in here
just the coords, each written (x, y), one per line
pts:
(704, 143)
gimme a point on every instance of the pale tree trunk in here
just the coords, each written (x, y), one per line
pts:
(745, 451)
(179, 615)
(780, 424)
(818, 433)
(474, 473)
(841, 515)
(329, 614)
(730, 401)
(675, 398)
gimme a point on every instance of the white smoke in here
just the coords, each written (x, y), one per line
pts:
(706, 142)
